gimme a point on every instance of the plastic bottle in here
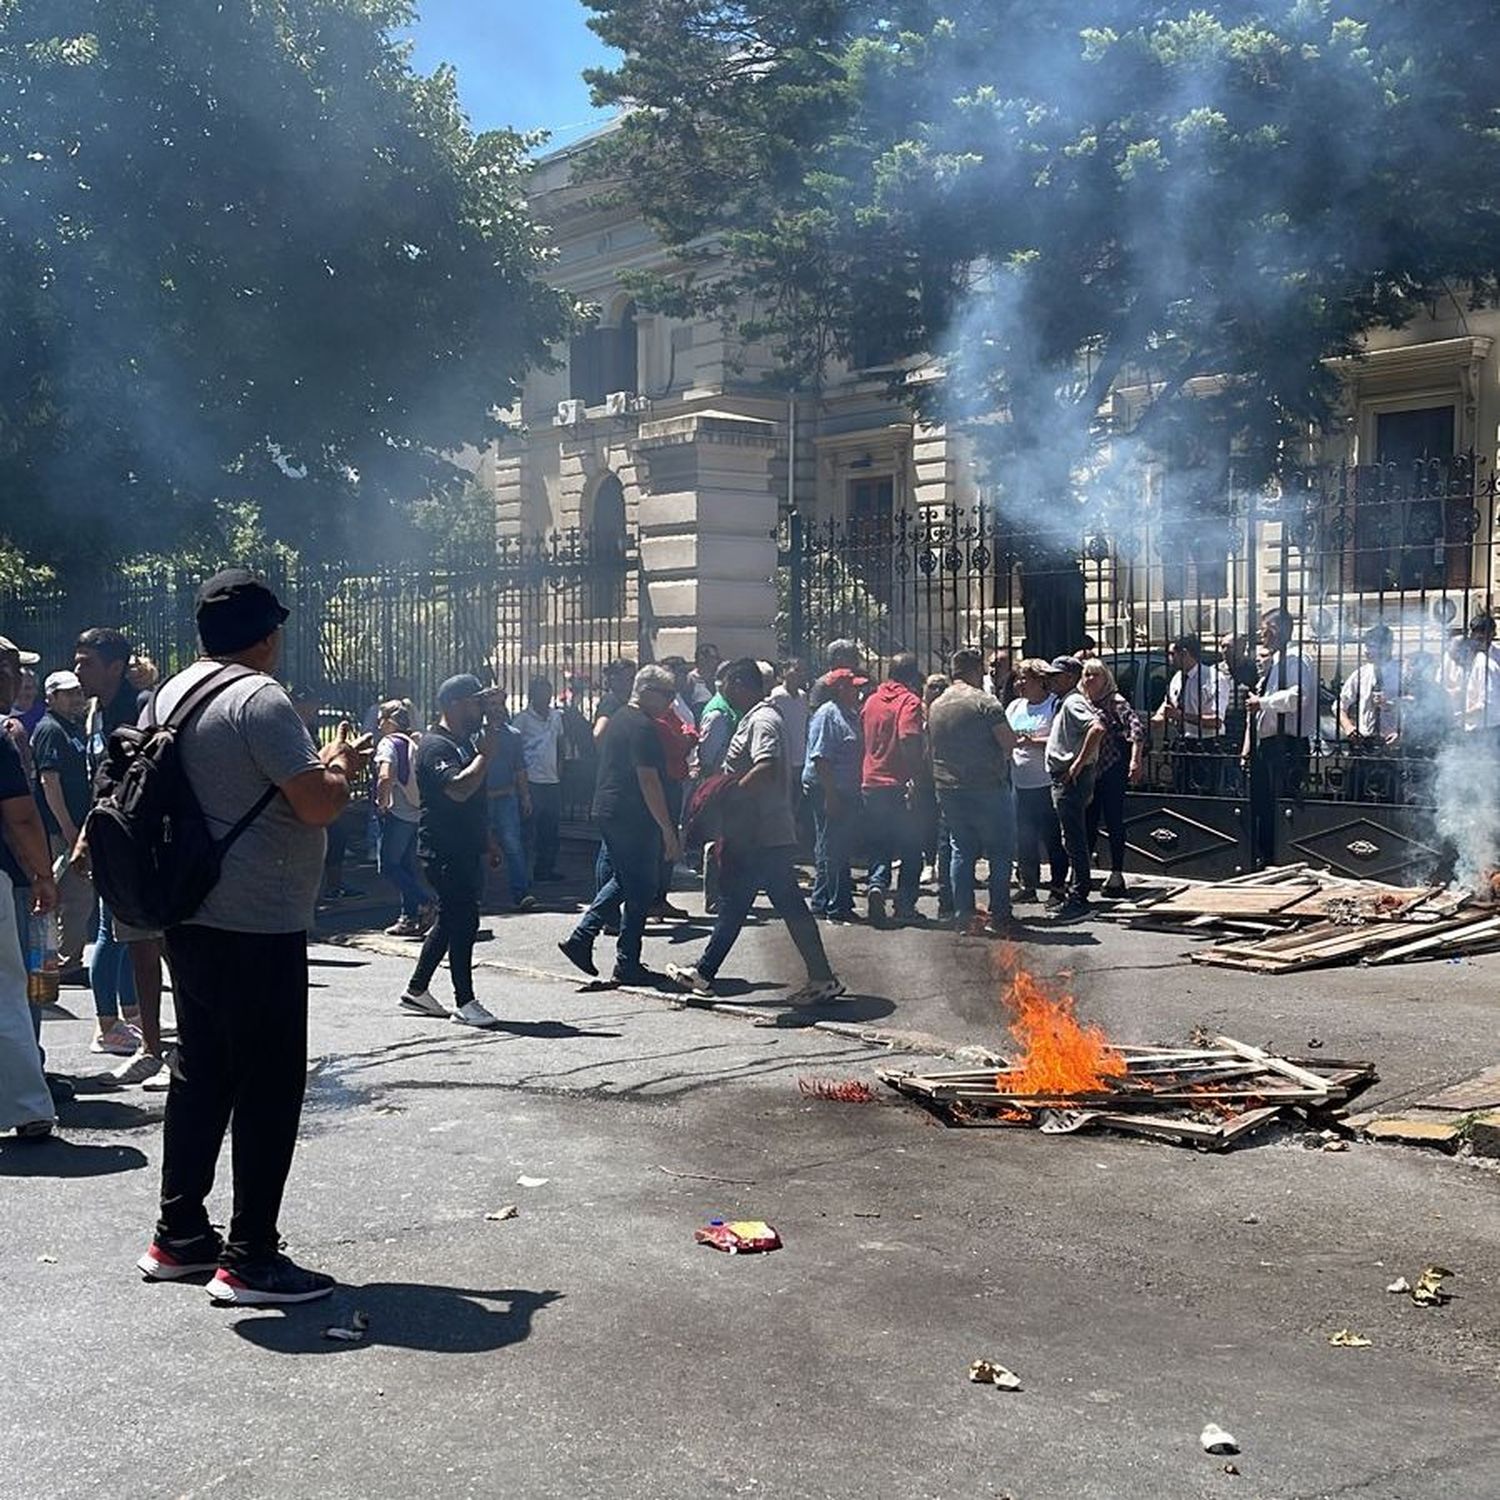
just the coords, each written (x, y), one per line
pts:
(42, 976)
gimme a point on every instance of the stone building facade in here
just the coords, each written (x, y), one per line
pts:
(666, 431)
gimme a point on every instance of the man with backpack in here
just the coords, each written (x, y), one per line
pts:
(239, 959)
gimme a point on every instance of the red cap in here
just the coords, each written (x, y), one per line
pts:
(841, 675)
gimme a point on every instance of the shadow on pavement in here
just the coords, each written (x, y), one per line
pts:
(60, 1158)
(552, 1031)
(109, 1114)
(403, 1315)
(338, 963)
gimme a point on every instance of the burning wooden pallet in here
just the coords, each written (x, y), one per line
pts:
(1209, 1096)
(1292, 918)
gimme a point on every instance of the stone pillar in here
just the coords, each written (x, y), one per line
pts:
(707, 523)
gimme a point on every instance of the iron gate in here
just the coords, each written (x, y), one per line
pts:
(1409, 547)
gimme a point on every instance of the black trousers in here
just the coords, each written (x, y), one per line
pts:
(1108, 808)
(1278, 767)
(1038, 833)
(457, 883)
(241, 1002)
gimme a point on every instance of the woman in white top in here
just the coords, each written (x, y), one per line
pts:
(1037, 830)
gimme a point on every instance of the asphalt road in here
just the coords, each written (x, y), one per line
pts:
(588, 1347)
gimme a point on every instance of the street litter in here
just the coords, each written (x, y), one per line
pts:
(1347, 1339)
(508, 1211)
(1428, 1292)
(1400, 1284)
(46, 1260)
(1070, 1076)
(987, 1372)
(844, 1090)
(742, 1237)
(1291, 918)
(353, 1334)
(532, 1181)
(1216, 1440)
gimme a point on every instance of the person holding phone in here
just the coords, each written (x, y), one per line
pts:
(453, 836)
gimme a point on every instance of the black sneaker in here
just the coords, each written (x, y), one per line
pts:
(1071, 911)
(877, 908)
(1115, 885)
(1025, 893)
(171, 1260)
(265, 1283)
(1055, 899)
(580, 953)
(638, 975)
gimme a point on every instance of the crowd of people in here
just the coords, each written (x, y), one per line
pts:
(743, 770)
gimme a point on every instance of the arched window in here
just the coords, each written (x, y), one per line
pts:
(605, 594)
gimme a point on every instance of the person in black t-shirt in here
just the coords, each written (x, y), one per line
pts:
(59, 753)
(452, 839)
(631, 808)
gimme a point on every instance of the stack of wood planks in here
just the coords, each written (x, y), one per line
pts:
(1206, 1096)
(1290, 917)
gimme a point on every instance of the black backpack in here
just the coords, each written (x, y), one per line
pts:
(154, 860)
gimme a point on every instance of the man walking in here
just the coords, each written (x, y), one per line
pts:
(60, 755)
(830, 776)
(630, 806)
(453, 836)
(1072, 760)
(892, 722)
(239, 964)
(760, 843)
(972, 743)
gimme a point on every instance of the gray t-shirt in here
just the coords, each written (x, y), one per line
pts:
(758, 737)
(247, 739)
(1076, 715)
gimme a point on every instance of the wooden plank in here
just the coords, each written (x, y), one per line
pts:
(1246, 901)
(1375, 905)
(1440, 935)
(1274, 1064)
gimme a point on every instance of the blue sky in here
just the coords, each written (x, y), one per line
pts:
(518, 61)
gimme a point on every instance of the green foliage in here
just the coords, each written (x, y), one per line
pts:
(248, 258)
(1060, 201)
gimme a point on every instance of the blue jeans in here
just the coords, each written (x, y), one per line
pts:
(980, 819)
(110, 975)
(833, 846)
(890, 835)
(746, 874)
(505, 824)
(396, 857)
(633, 852)
(543, 829)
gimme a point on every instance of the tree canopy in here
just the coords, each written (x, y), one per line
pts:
(250, 261)
(1201, 201)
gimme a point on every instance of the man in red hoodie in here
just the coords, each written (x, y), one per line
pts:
(892, 719)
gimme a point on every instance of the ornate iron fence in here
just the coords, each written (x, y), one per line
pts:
(1386, 562)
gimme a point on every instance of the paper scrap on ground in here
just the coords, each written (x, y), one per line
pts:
(507, 1211)
(988, 1372)
(1216, 1440)
(532, 1181)
(1346, 1338)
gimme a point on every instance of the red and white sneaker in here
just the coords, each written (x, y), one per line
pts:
(263, 1283)
(171, 1260)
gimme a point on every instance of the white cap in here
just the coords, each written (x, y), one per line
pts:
(61, 682)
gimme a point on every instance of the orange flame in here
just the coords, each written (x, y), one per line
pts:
(1058, 1055)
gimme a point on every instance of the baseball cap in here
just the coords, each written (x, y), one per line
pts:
(61, 682)
(456, 689)
(841, 675)
(1065, 664)
(28, 658)
(235, 609)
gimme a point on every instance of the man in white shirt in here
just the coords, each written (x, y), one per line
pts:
(1370, 719)
(1481, 698)
(1197, 704)
(540, 725)
(1283, 717)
